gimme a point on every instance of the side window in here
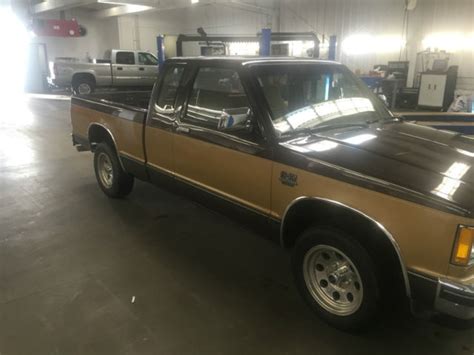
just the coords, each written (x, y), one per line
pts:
(169, 89)
(125, 58)
(147, 59)
(217, 92)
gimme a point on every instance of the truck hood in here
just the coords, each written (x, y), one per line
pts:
(437, 165)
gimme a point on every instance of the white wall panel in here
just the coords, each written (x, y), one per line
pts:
(140, 31)
(384, 17)
(455, 19)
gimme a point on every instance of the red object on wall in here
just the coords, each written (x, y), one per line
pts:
(57, 28)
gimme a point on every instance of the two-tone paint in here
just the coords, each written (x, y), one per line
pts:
(461, 122)
(414, 184)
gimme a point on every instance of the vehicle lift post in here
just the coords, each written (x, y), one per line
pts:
(332, 47)
(265, 42)
(161, 50)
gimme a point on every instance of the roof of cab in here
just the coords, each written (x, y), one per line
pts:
(246, 60)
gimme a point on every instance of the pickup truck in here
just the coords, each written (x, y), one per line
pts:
(120, 68)
(375, 210)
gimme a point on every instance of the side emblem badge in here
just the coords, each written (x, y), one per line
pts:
(288, 179)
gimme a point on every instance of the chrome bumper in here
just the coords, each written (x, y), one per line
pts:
(455, 299)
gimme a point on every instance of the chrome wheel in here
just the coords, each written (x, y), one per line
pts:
(84, 89)
(333, 280)
(106, 173)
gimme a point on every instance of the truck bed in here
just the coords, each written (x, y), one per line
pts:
(122, 113)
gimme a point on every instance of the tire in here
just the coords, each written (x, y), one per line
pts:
(112, 179)
(346, 296)
(83, 86)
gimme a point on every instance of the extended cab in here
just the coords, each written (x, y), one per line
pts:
(369, 205)
(119, 68)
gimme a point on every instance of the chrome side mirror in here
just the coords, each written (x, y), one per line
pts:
(235, 119)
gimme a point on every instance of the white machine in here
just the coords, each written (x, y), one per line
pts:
(436, 89)
(432, 90)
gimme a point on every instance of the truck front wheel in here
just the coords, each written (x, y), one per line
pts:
(112, 179)
(336, 277)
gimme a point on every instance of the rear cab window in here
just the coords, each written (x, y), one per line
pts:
(127, 58)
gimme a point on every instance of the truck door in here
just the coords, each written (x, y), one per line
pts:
(159, 145)
(124, 69)
(232, 160)
(148, 68)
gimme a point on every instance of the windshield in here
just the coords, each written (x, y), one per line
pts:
(311, 96)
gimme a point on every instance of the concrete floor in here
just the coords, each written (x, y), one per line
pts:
(71, 260)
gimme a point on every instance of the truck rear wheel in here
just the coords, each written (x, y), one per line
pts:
(112, 179)
(336, 277)
(83, 86)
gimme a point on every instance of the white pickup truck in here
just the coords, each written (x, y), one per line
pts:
(119, 68)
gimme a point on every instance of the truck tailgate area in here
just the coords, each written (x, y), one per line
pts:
(121, 116)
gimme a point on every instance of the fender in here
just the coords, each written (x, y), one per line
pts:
(384, 231)
(111, 136)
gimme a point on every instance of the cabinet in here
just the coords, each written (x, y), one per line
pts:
(432, 90)
(437, 88)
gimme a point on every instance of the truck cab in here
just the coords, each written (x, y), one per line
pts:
(132, 68)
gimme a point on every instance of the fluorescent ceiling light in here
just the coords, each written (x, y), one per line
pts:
(194, 1)
(123, 8)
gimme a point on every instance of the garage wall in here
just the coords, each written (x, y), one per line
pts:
(343, 18)
(346, 18)
(454, 21)
(101, 35)
(140, 31)
(384, 18)
(215, 19)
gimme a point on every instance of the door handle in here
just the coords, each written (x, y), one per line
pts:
(119, 68)
(142, 69)
(182, 129)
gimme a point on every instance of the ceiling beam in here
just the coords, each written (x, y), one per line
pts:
(134, 6)
(121, 10)
(59, 5)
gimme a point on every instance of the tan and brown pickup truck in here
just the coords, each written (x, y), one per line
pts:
(368, 204)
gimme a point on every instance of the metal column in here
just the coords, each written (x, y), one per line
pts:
(265, 42)
(332, 47)
(161, 50)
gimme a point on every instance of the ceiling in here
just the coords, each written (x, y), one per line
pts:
(110, 8)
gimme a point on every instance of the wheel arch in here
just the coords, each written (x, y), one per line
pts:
(78, 75)
(98, 133)
(306, 211)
